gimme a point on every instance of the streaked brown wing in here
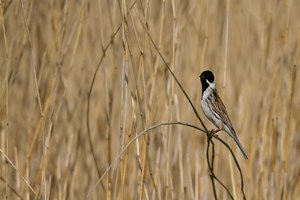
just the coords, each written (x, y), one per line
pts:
(220, 109)
(221, 114)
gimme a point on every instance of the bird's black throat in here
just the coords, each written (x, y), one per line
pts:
(204, 84)
(205, 77)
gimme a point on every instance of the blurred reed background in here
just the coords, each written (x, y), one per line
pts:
(51, 51)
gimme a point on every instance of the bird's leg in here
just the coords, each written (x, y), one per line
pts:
(213, 132)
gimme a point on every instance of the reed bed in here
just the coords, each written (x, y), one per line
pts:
(89, 108)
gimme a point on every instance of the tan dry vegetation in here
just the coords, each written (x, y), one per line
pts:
(51, 50)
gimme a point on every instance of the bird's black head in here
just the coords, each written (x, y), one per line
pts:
(204, 77)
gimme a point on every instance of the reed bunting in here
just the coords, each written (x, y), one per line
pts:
(214, 109)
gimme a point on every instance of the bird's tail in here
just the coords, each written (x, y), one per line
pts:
(240, 146)
(234, 136)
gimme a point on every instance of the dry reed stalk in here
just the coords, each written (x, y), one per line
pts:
(19, 173)
(7, 128)
(124, 96)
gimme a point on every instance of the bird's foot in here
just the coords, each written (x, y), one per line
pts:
(213, 132)
(216, 131)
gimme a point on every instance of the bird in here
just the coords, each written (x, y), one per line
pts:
(214, 109)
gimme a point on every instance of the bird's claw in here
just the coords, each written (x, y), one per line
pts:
(213, 132)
